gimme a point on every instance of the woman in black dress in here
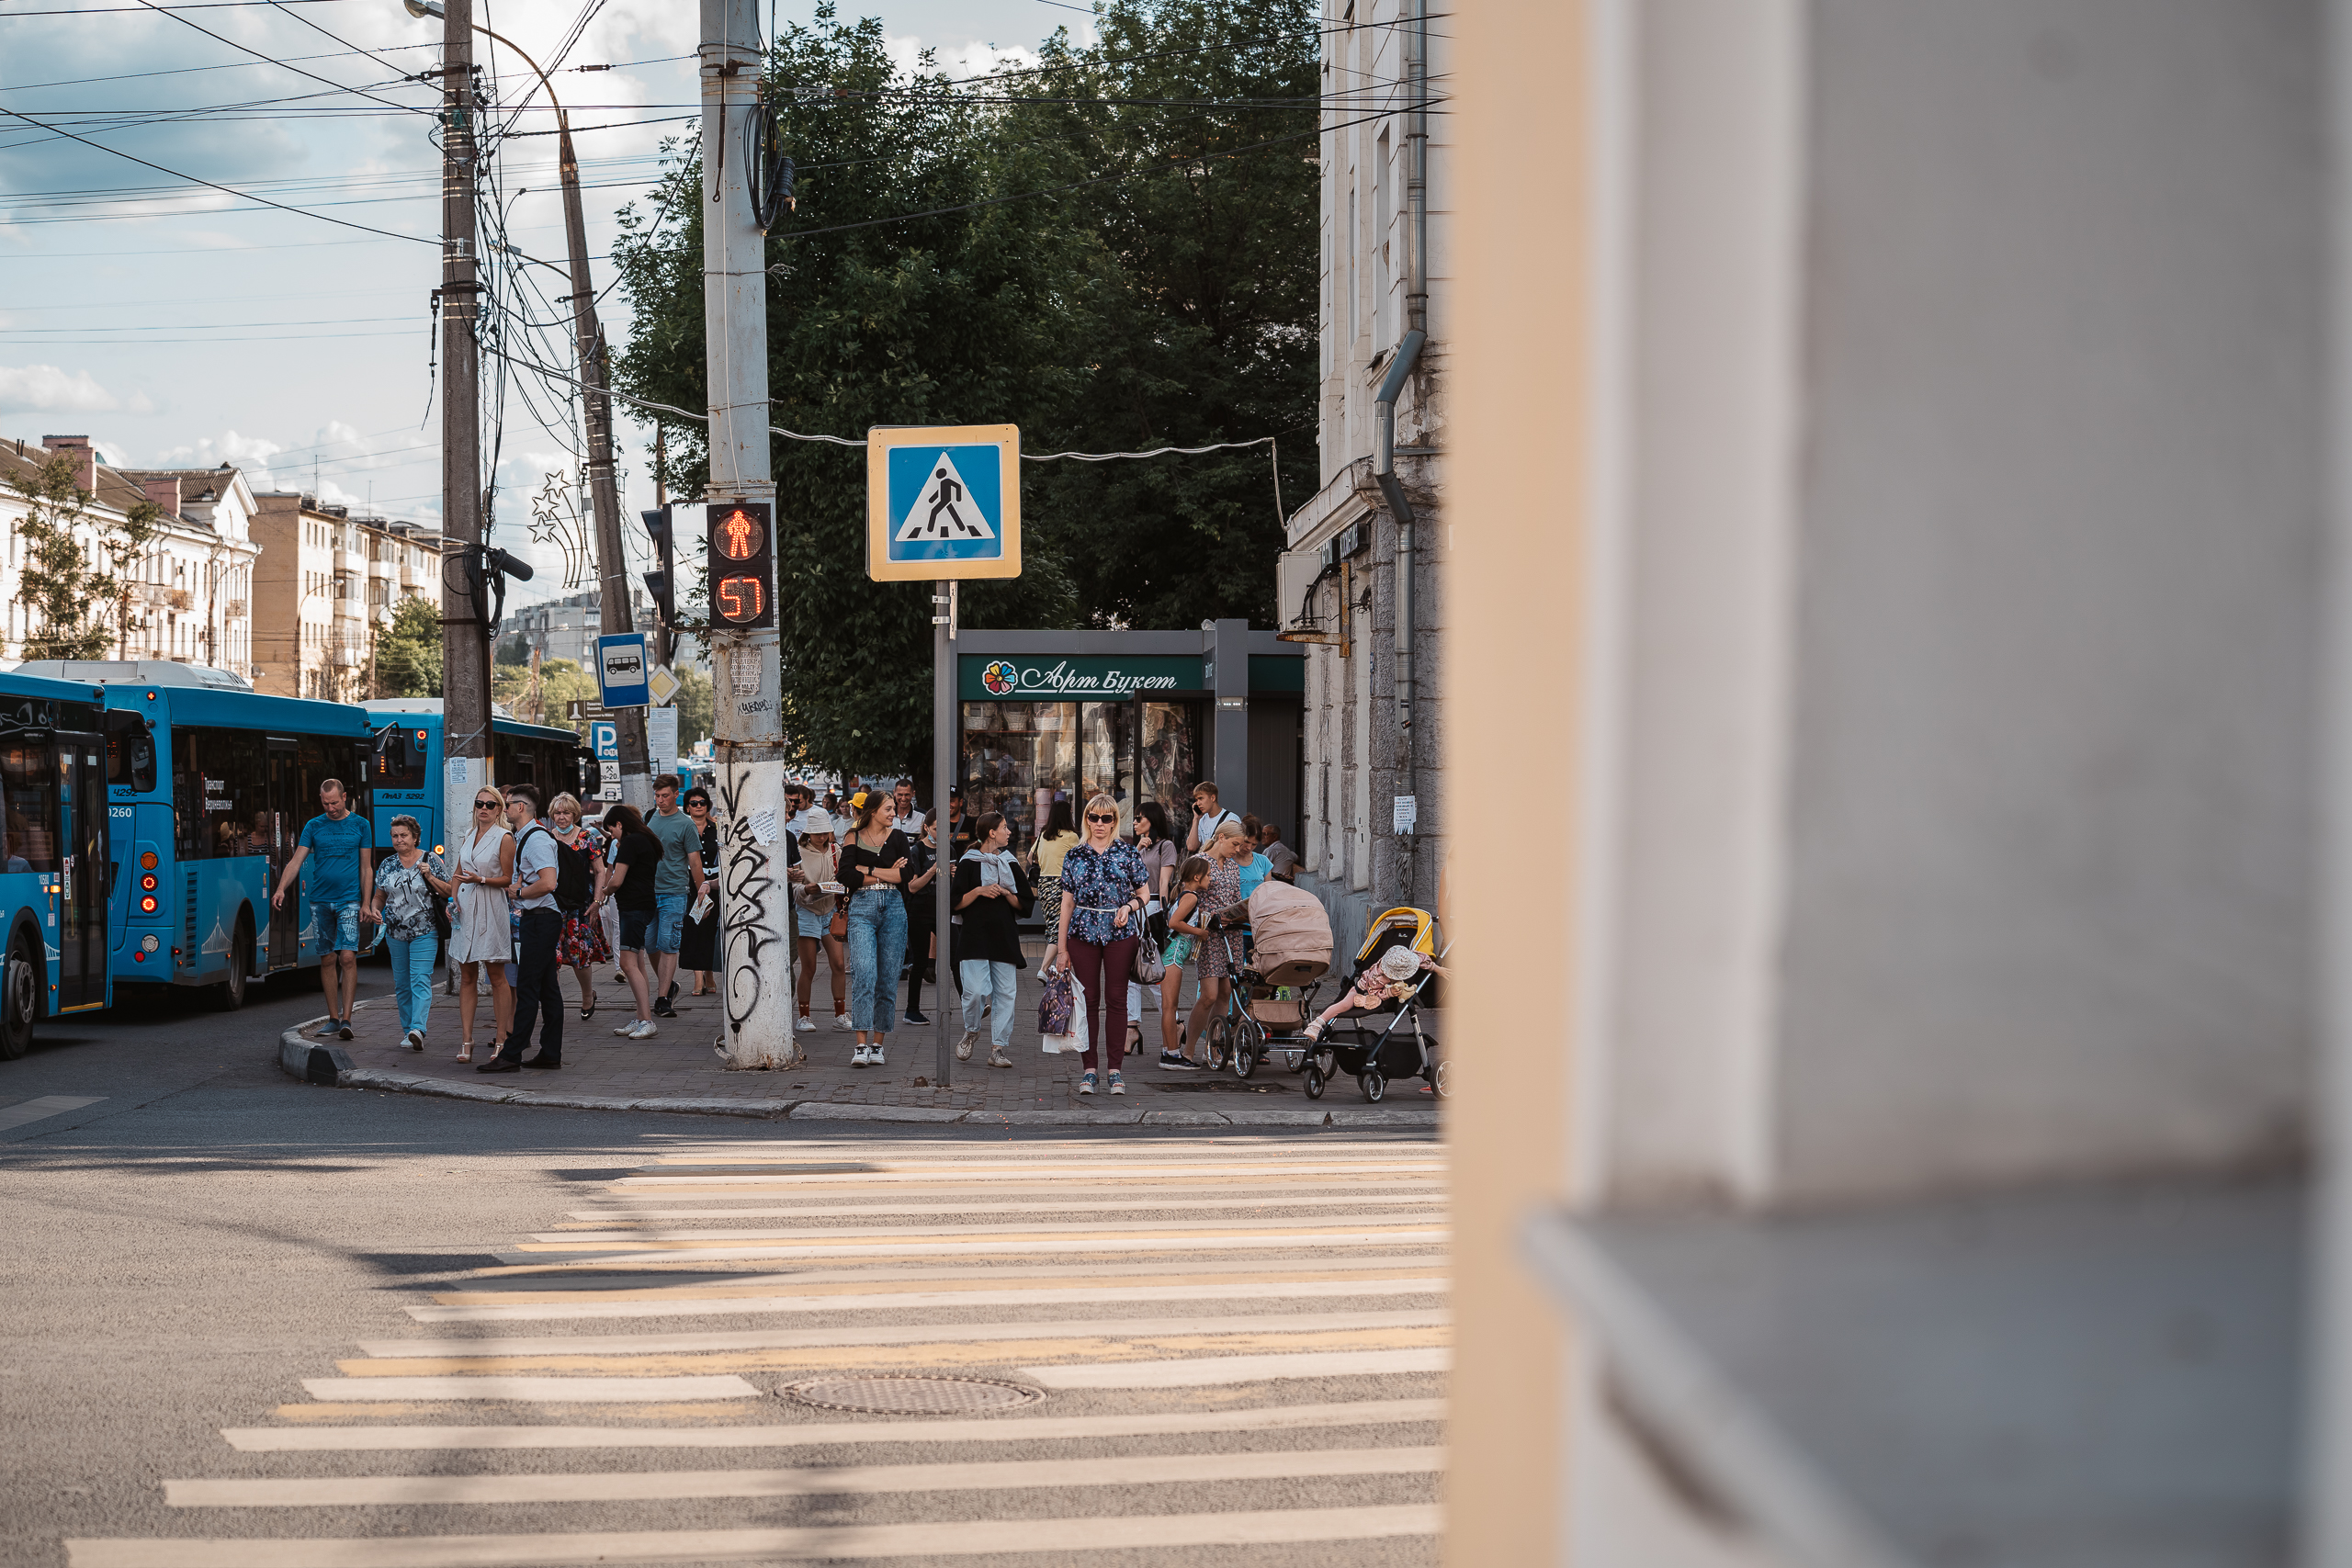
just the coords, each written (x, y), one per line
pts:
(698, 948)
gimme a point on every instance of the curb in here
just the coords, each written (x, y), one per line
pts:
(313, 1062)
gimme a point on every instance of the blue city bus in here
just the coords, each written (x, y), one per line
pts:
(404, 775)
(55, 758)
(209, 782)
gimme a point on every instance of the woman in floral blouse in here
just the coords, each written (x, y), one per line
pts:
(1104, 883)
(409, 881)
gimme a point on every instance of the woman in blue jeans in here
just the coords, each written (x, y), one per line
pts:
(873, 866)
(409, 881)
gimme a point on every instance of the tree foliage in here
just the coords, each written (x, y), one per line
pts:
(78, 609)
(1037, 248)
(407, 652)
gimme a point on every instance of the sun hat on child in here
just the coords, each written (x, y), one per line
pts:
(1400, 964)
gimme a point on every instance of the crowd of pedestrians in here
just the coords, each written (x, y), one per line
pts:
(532, 888)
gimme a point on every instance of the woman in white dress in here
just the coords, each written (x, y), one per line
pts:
(481, 936)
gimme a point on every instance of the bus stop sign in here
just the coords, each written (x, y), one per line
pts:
(621, 668)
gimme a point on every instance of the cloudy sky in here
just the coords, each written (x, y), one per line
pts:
(179, 325)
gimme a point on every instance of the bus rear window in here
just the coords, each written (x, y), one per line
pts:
(399, 760)
(130, 751)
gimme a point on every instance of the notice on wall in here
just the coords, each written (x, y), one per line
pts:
(1407, 811)
(661, 739)
(763, 829)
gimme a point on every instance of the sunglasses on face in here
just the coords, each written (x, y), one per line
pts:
(486, 806)
(1097, 816)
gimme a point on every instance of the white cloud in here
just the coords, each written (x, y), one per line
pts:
(970, 58)
(45, 389)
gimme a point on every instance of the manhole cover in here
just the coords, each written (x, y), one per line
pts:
(913, 1395)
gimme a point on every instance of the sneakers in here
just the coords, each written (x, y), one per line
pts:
(874, 1054)
(343, 1030)
(627, 1031)
(997, 1058)
(413, 1040)
(912, 1017)
(806, 1022)
(643, 1029)
(662, 1008)
(1118, 1084)
(964, 1047)
(326, 1031)
(841, 1020)
(858, 1058)
(1086, 1081)
(1176, 1062)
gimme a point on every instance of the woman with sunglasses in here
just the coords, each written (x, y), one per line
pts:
(698, 948)
(1103, 884)
(481, 935)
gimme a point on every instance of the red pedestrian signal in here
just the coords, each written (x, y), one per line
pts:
(741, 565)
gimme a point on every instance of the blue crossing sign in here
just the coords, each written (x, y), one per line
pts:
(943, 501)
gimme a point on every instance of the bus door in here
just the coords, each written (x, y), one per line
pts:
(87, 871)
(285, 804)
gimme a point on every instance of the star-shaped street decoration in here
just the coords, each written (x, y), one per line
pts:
(548, 510)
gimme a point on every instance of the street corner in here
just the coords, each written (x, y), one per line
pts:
(312, 1061)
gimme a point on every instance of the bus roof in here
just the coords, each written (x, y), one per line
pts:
(135, 672)
(502, 722)
(16, 683)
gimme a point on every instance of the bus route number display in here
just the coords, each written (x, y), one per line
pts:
(741, 561)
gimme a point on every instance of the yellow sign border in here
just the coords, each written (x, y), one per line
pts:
(880, 442)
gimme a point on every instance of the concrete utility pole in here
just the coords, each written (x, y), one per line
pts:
(465, 596)
(755, 914)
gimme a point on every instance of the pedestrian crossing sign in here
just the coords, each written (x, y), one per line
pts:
(943, 501)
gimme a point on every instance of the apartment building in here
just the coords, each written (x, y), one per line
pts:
(1366, 552)
(325, 585)
(191, 588)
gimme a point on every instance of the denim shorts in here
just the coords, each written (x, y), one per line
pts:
(669, 921)
(344, 920)
(635, 924)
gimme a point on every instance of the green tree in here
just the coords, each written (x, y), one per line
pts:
(78, 609)
(407, 652)
(548, 698)
(697, 705)
(940, 269)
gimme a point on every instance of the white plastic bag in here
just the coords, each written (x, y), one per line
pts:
(1074, 1042)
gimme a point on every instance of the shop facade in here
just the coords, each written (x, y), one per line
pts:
(1043, 715)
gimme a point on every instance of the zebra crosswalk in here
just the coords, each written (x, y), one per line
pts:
(1214, 1350)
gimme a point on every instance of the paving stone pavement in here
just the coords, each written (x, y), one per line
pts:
(679, 1070)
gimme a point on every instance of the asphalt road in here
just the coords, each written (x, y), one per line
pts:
(218, 1277)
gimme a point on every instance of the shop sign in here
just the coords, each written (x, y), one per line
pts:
(1076, 679)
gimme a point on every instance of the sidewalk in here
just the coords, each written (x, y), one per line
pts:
(680, 1070)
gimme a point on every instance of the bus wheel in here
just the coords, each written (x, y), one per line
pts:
(229, 995)
(19, 1000)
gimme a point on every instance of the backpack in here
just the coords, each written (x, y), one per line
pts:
(575, 878)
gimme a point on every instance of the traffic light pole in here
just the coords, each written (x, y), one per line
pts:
(756, 907)
(465, 597)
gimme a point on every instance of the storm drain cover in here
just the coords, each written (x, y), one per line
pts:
(913, 1395)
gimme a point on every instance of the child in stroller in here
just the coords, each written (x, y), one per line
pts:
(1391, 977)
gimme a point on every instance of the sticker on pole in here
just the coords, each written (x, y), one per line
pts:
(943, 501)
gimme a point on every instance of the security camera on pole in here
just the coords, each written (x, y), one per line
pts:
(755, 900)
(943, 502)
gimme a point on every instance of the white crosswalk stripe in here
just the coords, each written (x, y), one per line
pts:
(1123, 1287)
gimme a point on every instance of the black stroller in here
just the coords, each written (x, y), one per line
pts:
(1388, 1041)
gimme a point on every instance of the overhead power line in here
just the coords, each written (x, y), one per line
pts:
(209, 185)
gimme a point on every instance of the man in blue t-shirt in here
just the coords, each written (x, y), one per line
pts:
(341, 837)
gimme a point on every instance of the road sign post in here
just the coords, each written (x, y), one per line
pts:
(942, 504)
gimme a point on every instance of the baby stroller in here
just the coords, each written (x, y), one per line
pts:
(1374, 1046)
(1280, 941)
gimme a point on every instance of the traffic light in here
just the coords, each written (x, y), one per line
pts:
(660, 582)
(742, 565)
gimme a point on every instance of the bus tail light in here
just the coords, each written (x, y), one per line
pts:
(147, 906)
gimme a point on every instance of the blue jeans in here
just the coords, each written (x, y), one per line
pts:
(669, 921)
(878, 945)
(986, 980)
(412, 976)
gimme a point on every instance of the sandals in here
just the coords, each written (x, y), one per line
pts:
(465, 1050)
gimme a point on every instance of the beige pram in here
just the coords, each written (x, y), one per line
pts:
(1281, 940)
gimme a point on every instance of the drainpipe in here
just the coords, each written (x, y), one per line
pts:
(1409, 355)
